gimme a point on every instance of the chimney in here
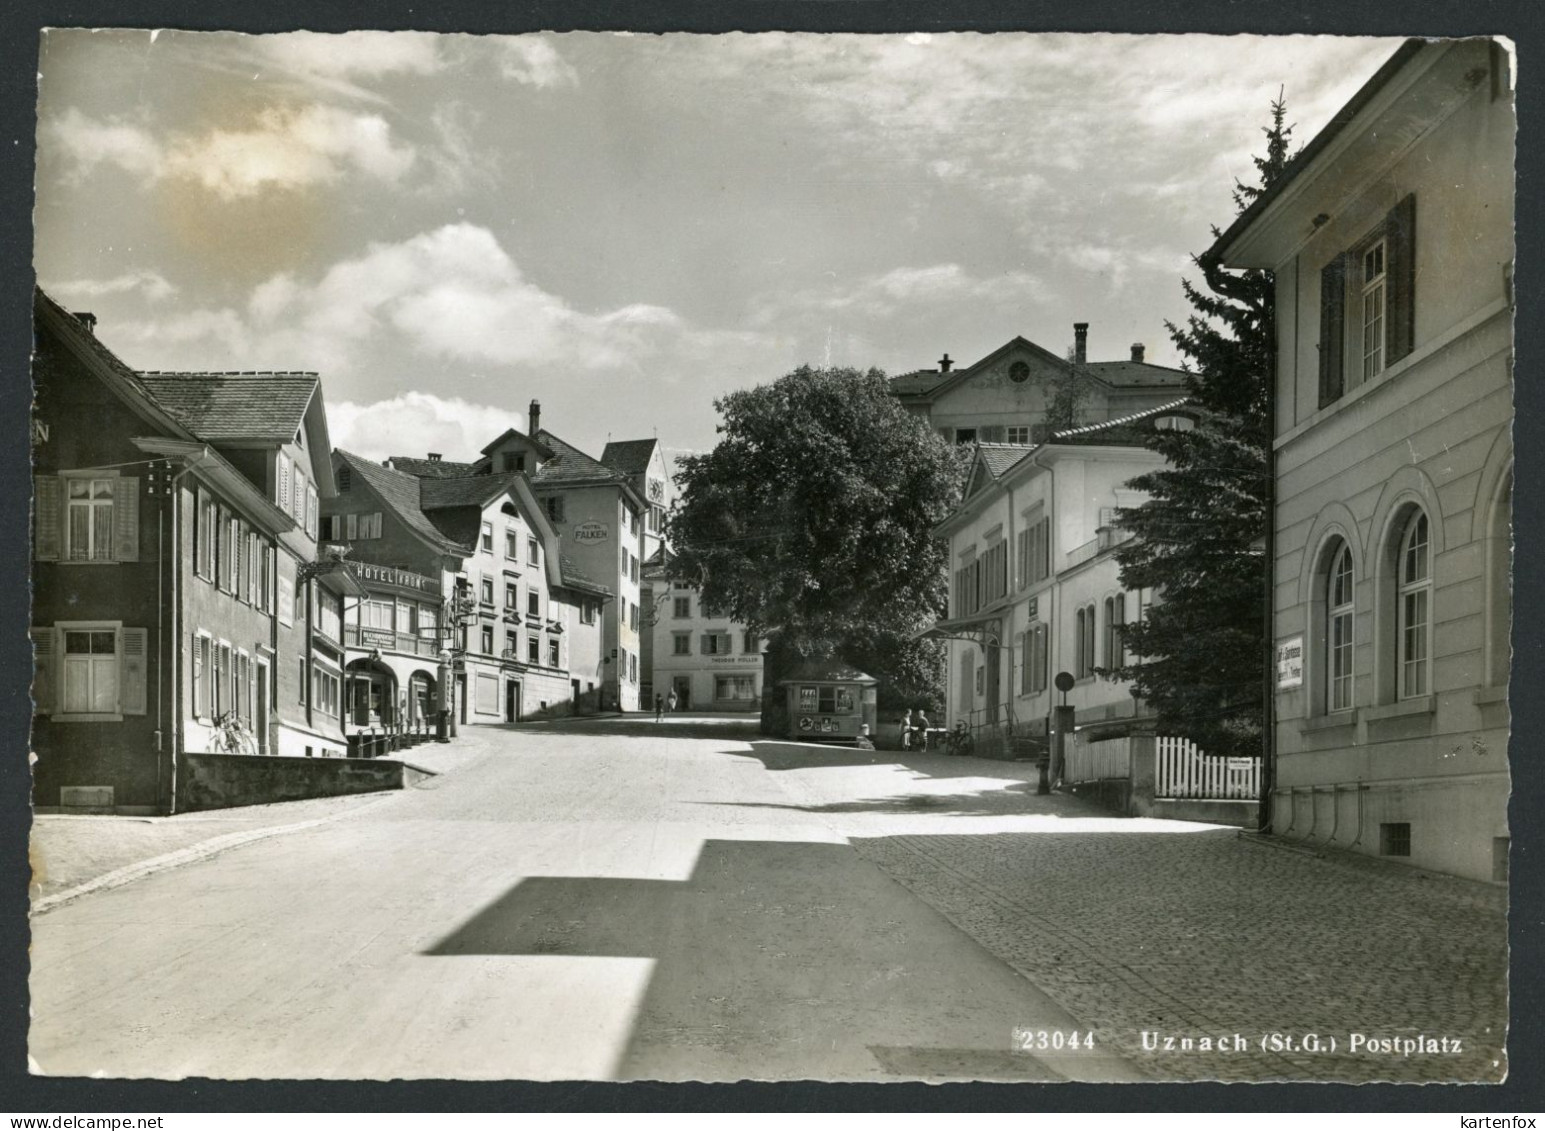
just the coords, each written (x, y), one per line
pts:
(434, 457)
(88, 320)
(535, 421)
(1137, 352)
(944, 363)
(1080, 342)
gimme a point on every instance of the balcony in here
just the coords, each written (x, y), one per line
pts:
(385, 639)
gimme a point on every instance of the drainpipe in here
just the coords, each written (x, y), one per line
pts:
(1053, 544)
(1268, 643)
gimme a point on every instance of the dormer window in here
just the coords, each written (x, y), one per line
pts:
(513, 461)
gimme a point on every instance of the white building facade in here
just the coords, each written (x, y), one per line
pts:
(1391, 242)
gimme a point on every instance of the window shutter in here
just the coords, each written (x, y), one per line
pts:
(1400, 336)
(126, 518)
(1332, 328)
(131, 689)
(48, 517)
(45, 655)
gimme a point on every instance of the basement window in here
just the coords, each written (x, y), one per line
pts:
(1395, 839)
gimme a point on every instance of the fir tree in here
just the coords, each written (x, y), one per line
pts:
(1199, 539)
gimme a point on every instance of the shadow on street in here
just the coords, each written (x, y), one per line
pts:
(781, 960)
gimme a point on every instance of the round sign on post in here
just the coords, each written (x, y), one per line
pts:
(1064, 682)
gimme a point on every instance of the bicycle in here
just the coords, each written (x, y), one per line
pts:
(233, 736)
(960, 740)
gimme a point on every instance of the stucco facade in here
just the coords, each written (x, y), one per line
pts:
(1035, 586)
(1391, 243)
(711, 662)
(1004, 397)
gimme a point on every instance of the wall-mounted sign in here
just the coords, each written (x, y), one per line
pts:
(401, 578)
(1290, 663)
(592, 532)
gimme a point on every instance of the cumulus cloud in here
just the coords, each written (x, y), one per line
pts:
(86, 143)
(281, 148)
(417, 423)
(453, 295)
(533, 61)
(152, 284)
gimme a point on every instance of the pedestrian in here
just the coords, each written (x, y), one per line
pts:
(659, 706)
(671, 702)
(922, 726)
(906, 730)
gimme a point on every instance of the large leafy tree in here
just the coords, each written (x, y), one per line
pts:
(1199, 538)
(811, 520)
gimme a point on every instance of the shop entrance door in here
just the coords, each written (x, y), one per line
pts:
(512, 702)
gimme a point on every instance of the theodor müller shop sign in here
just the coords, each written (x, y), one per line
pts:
(592, 532)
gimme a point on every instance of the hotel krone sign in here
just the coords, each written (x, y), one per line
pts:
(396, 578)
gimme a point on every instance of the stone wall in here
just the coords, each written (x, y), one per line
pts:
(224, 781)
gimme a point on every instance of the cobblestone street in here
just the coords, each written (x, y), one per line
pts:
(619, 899)
(1137, 927)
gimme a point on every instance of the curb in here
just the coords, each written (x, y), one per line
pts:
(205, 849)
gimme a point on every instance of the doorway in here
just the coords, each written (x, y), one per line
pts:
(992, 653)
(682, 685)
(461, 697)
(260, 705)
(512, 701)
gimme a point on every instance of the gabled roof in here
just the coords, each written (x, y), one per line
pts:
(108, 368)
(998, 458)
(519, 435)
(629, 456)
(430, 468)
(268, 406)
(1317, 145)
(570, 465)
(927, 384)
(468, 491)
(400, 491)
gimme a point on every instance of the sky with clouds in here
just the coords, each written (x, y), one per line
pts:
(628, 226)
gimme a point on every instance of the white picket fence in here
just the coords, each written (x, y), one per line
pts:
(1110, 760)
(1184, 771)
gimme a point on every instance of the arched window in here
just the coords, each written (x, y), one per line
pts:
(1413, 609)
(1338, 631)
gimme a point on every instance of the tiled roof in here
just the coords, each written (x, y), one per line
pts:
(1000, 457)
(570, 465)
(431, 468)
(1135, 374)
(400, 492)
(466, 491)
(248, 405)
(1106, 429)
(917, 382)
(578, 578)
(629, 456)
